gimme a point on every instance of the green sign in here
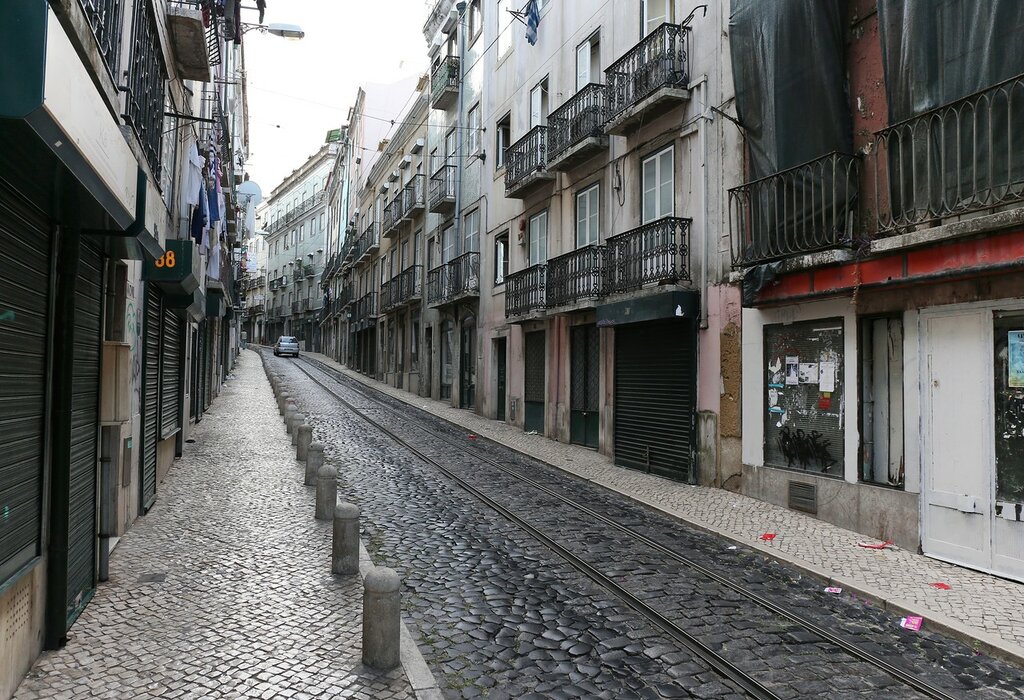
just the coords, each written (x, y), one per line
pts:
(22, 56)
(176, 269)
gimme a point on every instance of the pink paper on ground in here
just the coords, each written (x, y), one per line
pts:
(911, 622)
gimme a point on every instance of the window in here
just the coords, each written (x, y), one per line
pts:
(471, 234)
(474, 20)
(588, 217)
(656, 13)
(539, 104)
(658, 186)
(322, 227)
(502, 139)
(417, 243)
(504, 27)
(473, 129)
(302, 231)
(539, 238)
(449, 148)
(500, 258)
(881, 408)
(448, 244)
(803, 409)
(588, 62)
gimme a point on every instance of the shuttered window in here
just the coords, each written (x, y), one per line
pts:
(151, 394)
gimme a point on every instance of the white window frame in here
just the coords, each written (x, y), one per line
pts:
(473, 128)
(448, 244)
(471, 232)
(588, 216)
(657, 191)
(502, 139)
(538, 238)
(655, 13)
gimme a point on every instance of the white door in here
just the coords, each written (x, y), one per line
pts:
(658, 186)
(1008, 462)
(537, 111)
(582, 65)
(957, 481)
(656, 13)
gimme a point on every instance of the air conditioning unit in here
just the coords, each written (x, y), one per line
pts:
(394, 176)
(418, 146)
(406, 162)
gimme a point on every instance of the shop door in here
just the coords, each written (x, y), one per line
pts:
(1008, 515)
(85, 378)
(501, 377)
(957, 479)
(171, 375)
(585, 350)
(467, 365)
(655, 397)
(533, 394)
(25, 242)
(150, 395)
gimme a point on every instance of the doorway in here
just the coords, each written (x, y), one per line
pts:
(533, 394)
(585, 359)
(500, 377)
(467, 364)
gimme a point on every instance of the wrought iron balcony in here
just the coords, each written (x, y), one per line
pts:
(650, 78)
(309, 271)
(800, 210)
(409, 287)
(308, 304)
(386, 295)
(105, 18)
(526, 163)
(576, 129)
(577, 276)
(526, 291)
(442, 190)
(960, 158)
(365, 310)
(414, 196)
(655, 253)
(294, 214)
(368, 243)
(345, 296)
(296, 306)
(297, 273)
(444, 83)
(255, 309)
(454, 280)
(392, 216)
(147, 84)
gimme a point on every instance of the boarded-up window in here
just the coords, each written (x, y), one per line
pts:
(804, 415)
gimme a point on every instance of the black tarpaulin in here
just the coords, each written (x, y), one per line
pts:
(789, 68)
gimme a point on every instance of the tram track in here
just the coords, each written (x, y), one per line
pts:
(721, 665)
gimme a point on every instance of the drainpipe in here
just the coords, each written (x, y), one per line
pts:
(459, 158)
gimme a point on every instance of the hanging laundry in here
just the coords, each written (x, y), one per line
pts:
(193, 174)
(214, 201)
(197, 226)
(261, 5)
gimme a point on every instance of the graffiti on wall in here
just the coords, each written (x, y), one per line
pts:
(133, 336)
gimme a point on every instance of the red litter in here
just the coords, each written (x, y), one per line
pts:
(768, 536)
(472, 437)
(871, 545)
(940, 585)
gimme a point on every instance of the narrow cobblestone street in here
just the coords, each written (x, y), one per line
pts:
(223, 590)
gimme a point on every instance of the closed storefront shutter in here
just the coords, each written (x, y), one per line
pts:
(25, 241)
(151, 395)
(655, 397)
(534, 384)
(84, 431)
(170, 376)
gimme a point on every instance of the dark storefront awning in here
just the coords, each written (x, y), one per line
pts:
(678, 303)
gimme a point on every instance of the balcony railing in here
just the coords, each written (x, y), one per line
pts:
(309, 271)
(444, 83)
(525, 158)
(442, 189)
(147, 81)
(345, 296)
(804, 209)
(255, 309)
(388, 298)
(409, 284)
(365, 308)
(959, 158)
(297, 213)
(454, 279)
(296, 307)
(655, 253)
(581, 117)
(660, 60)
(525, 291)
(297, 274)
(368, 242)
(578, 275)
(392, 215)
(414, 196)
(105, 19)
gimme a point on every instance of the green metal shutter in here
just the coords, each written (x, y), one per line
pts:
(170, 376)
(85, 398)
(534, 382)
(25, 242)
(656, 397)
(150, 394)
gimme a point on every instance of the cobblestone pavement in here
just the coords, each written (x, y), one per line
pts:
(223, 590)
(498, 615)
(983, 607)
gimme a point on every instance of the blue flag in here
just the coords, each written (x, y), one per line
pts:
(532, 22)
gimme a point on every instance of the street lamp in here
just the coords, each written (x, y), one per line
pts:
(286, 31)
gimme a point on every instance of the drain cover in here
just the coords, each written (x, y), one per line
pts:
(152, 578)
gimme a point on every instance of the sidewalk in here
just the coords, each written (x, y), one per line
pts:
(980, 607)
(224, 589)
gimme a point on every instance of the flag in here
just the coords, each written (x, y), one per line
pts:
(532, 22)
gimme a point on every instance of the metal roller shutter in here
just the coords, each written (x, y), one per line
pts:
(150, 394)
(656, 397)
(534, 382)
(170, 376)
(25, 242)
(84, 432)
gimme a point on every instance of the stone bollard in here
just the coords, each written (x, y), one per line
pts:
(305, 433)
(289, 416)
(382, 620)
(290, 401)
(345, 545)
(314, 460)
(298, 422)
(326, 492)
(281, 398)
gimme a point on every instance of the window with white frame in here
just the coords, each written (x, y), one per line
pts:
(658, 186)
(588, 62)
(656, 13)
(473, 129)
(471, 232)
(500, 258)
(475, 24)
(538, 242)
(504, 27)
(588, 216)
(448, 244)
(539, 104)
(502, 139)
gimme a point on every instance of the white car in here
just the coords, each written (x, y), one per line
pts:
(286, 345)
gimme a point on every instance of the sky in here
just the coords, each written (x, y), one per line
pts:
(298, 90)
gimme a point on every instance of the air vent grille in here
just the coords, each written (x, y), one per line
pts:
(803, 497)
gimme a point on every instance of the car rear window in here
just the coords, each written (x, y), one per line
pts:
(287, 339)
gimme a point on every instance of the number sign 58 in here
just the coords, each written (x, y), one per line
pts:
(166, 260)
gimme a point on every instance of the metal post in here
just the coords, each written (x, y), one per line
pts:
(326, 492)
(381, 619)
(345, 545)
(305, 439)
(314, 460)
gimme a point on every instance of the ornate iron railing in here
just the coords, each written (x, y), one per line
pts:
(296, 213)
(442, 186)
(368, 241)
(525, 157)
(409, 284)
(660, 60)
(365, 308)
(582, 116)
(345, 296)
(309, 271)
(255, 309)
(414, 196)
(444, 78)
(654, 253)
(455, 279)
(105, 18)
(147, 85)
(389, 294)
(962, 157)
(799, 210)
(525, 291)
(296, 306)
(579, 274)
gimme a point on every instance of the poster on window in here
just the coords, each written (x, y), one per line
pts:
(1015, 363)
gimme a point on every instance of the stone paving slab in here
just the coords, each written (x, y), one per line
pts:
(985, 609)
(224, 589)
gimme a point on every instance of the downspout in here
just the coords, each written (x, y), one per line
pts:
(459, 164)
